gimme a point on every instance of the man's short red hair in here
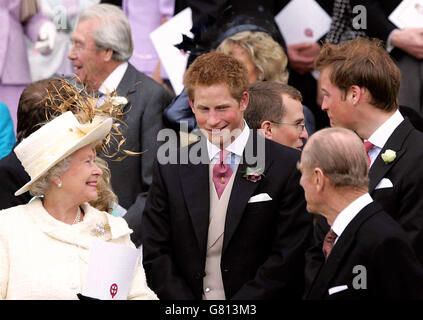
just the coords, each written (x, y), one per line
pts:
(217, 68)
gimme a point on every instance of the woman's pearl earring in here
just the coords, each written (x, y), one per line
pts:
(59, 184)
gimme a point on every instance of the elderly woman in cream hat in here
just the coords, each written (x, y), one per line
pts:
(45, 244)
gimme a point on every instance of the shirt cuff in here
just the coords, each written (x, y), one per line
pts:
(389, 46)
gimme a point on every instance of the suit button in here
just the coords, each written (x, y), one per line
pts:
(225, 270)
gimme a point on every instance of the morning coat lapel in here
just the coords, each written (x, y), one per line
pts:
(328, 270)
(242, 188)
(128, 85)
(395, 142)
(195, 186)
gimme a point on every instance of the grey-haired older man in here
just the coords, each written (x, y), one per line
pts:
(366, 255)
(102, 45)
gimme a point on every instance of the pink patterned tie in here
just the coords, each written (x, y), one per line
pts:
(329, 242)
(369, 146)
(221, 173)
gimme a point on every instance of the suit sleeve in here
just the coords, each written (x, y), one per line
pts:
(409, 206)
(282, 274)
(397, 274)
(151, 124)
(314, 257)
(12, 177)
(163, 276)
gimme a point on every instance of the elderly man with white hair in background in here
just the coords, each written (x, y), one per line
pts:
(102, 45)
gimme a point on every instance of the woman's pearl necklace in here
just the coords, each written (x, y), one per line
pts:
(78, 217)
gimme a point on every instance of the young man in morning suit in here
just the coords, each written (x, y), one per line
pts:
(360, 83)
(102, 46)
(245, 243)
(366, 255)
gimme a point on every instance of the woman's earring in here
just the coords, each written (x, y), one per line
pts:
(59, 184)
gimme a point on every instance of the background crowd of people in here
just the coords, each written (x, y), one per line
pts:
(84, 97)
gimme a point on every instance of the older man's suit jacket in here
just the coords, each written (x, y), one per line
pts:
(264, 242)
(372, 259)
(404, 201)
(131, 177)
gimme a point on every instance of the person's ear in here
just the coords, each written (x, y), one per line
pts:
(354, 94)
(57, 182)
(319, 179)
(266, 129)
(108, 55)
(191, 104)
(243, 103)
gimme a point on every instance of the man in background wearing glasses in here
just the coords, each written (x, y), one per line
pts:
(276, 109)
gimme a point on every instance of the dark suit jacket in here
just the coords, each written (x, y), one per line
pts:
(403, 202)
(131, 177)
(378, 24)
(264, 242)
(374, 241)
(12, 177)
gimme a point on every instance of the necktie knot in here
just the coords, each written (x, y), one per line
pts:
(369, 146)
(221, 173)
(223, 154)
(328, 242)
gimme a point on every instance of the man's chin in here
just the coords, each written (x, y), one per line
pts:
(218, 139)
(84, 82)
(222, 137)
(81, 78)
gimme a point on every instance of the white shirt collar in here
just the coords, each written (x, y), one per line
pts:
(382, 134)
(237, 147)
(346, 215)
(114, 78)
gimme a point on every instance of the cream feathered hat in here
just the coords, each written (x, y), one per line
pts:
(75, 120)
(55, 141)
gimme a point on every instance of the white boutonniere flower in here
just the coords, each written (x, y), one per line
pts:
(118, 100)
(388, 156)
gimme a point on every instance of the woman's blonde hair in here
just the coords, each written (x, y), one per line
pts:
(266, 54)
